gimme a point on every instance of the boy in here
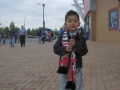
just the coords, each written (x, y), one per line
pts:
(71, 46)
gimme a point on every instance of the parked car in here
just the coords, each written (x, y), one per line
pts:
(30, 36)
(35, 36)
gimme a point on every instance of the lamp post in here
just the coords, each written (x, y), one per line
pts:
(24, 21)
(43, 14)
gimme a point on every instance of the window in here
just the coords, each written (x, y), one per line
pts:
(113, 18)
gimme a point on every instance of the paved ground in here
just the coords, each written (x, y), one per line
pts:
(34, 66)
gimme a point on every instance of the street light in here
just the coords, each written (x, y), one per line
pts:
(24, 21)
(43, 14)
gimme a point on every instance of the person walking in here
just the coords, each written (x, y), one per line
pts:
(39, 35)
(22, 34)
(81, 31)
(49, 36)
(43, 34)
(4, 38)
(52, 36)
(61, 31)
(12, 36)
(70, 46)
(16, 36)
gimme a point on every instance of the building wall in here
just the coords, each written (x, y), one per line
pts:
(93, 26)
(101, 31)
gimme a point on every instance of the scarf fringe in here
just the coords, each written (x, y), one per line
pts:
(71, 85)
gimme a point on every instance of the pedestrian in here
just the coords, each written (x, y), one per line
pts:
(71, 46)
(43, 34)
(52, 36)
(87, 31)
(16, 36)
(49, 36)
(9, 37)
(65, 29)
(12, 36)
(4, 38)
(46, 38)
(39, 35)
(22, 34)
(80, 31)
(61, 31)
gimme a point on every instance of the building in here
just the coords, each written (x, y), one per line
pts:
(102, 19)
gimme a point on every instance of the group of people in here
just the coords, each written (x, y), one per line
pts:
(13, 36)
(4, 37)
(80, 31)
(44, 35)
(70, 46)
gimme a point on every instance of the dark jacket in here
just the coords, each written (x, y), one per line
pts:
(11, 33)
(80, 48)
(39, 32)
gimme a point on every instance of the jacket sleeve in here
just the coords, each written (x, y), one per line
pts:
(58, 48)
(80, 47)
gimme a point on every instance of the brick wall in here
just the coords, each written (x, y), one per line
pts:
(99, 22)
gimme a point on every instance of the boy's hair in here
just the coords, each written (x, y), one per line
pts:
(71, 12)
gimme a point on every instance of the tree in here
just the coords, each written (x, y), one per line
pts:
(17, 29)
(28, 31)
(1, 30)
(12, 25)
(5, 31)
(36, 30)
(33, 32)
(56, 32)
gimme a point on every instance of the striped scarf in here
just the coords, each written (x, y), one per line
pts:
(68, 61)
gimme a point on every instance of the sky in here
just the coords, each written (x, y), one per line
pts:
(17, 10)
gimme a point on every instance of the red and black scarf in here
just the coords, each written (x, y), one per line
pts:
(68, 64)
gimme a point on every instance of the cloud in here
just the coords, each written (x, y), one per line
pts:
(54, 12)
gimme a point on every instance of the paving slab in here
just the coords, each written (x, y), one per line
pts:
(34, 67)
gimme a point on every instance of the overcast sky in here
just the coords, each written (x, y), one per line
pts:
(16, 10)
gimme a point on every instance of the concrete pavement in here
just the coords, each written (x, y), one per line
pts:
(34, 67)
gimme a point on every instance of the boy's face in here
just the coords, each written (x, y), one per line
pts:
(72, 23)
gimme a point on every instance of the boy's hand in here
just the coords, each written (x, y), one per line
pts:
(69, 48)
(72, 42)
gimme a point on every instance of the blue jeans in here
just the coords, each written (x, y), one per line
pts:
(12, 41)
(79, 82)
(39, 39)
